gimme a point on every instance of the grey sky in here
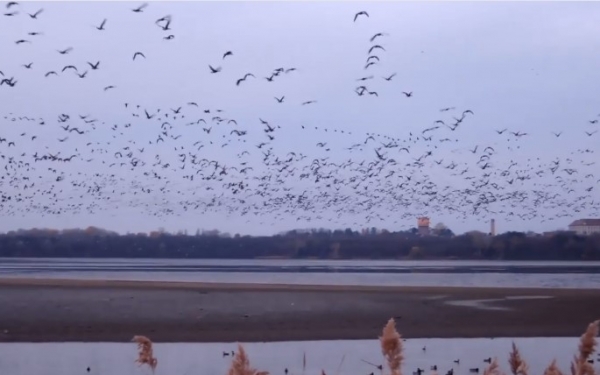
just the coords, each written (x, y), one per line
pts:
(526, 66)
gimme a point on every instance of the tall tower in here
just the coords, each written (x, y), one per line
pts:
(493, 227)
(423, 226)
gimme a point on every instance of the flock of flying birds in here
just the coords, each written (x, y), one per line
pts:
(190, 158)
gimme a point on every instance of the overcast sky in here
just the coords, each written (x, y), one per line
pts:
(529, 67)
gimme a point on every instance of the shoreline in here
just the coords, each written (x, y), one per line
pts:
(187, 285)
(58, 310)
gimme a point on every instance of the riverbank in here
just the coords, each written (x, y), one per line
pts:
(36, 310)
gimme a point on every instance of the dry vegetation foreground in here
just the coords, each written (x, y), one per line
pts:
(55, 310)
(392, 349)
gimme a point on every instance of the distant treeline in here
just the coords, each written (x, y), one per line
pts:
(340, 244)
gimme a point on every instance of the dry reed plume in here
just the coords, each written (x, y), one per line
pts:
(391, 347)
(145, 354)
(493, 369)
(553, 369)
(587, 345)
(240, 365)
(517, 365)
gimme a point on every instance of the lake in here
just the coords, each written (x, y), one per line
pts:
(334, 357)
(315, 272)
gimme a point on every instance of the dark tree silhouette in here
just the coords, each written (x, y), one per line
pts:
(323, 244)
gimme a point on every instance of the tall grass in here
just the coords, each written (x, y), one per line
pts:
(392, 350)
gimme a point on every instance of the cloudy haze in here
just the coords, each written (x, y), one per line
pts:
(528, 67)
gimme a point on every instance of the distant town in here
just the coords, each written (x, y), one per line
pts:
(581, 241)
(580, 227)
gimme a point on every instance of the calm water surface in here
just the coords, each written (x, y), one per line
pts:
(315, 272)
(334, 357)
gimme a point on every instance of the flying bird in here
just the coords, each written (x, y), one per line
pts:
(361, 13)
(101, 27)
(214, 70)
(375, 47)
(237, 83)
(65, 51)
(94, 66)
(228, 53)
(162, 19)
(407, 94)
(369, 64)
(375, 36)
(34, 15)
(140, 8)
(280, 100)
(166, 26)
(390, 77)
(138, 54)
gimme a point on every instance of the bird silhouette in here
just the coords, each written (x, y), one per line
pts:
(101, 27)
(237, 83)
(36, 14)
(361, 13)
(377, 46)
(138, 54)
(140, 9)
(376, 36)
(65, 51)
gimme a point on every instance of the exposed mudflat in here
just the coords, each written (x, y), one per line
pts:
(34, 310)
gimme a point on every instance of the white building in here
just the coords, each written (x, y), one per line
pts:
(585, 226)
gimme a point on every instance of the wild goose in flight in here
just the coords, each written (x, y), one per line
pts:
(138, 54)
(101, 27)
(361, 13)
(140, 9)
(34, 16)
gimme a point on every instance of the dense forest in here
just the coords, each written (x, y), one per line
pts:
(323, 244)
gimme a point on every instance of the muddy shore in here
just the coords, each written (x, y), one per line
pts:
(35, 310)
